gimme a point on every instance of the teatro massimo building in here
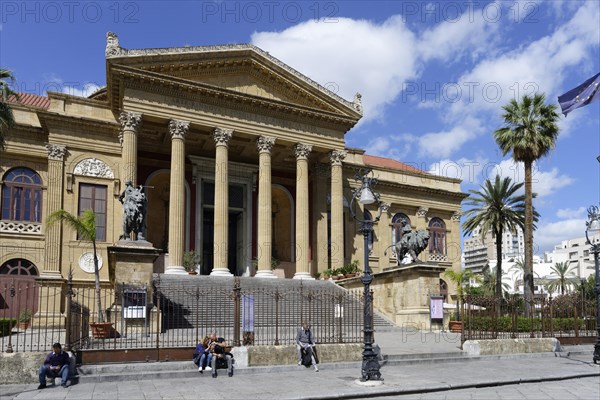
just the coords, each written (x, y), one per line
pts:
(242, 158)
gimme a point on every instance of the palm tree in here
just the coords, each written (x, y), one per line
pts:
(490, 277)
(7, 119)
(530, 133)
(496, 207)
(565, 276)
(85, 226)
(518, 269)
(461, 279)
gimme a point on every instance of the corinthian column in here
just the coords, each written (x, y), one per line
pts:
(302, 151)
(178, 130)
(56, 154)
(265, 228)
(221, 137)
(337, 209)
(130, 123)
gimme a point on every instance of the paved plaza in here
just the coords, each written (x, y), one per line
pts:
(419, 365)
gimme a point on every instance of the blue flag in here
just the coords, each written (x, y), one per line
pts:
(582, 95)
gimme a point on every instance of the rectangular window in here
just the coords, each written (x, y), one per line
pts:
(94, 197)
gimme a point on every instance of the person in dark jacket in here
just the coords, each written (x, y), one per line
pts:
(55, 364)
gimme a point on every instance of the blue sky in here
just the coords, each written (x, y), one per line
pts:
(433, 75)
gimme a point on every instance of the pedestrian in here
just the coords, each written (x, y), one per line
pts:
(305, 342)
(218, 349)
(55, 364)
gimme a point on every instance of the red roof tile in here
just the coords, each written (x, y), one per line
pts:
(33, 100)
(389, 163)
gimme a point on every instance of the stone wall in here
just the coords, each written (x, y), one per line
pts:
(20, 367)
(510, 346)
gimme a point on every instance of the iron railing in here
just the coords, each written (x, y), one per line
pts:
(175, 316)
(570, 318)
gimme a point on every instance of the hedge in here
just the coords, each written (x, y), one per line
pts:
(6, 325)
(523, 324)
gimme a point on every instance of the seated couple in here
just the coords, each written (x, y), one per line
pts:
(211, 354)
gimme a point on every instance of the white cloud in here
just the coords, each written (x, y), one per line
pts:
(495, 81)
(469, 171)
(571, 212)
(54, 83)
(444, 143)
(352, 55)
(549, 234)
(544, 183)
(469, 34)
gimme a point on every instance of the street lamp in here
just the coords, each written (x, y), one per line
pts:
(593, 229)
(365, 195)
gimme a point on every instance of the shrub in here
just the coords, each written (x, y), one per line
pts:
(6, 325)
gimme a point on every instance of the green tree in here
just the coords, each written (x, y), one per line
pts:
(85, 226)
(496, 207)
(490, 276)
(565, 276)
(462, 280)
(530, 133)
(7, 119)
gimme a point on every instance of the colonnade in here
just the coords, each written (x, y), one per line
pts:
(131, 122)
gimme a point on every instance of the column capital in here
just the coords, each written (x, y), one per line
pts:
(456, 216)
(264, 144)
(130, 120)
(337, 156)
(422, 212)
(56, 151)
(222, 136)
(178, 128)
(302, 150)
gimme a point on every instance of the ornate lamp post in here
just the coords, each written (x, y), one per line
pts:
(365, 195)
(593, 229)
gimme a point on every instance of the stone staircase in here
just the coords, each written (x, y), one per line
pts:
(187, 301)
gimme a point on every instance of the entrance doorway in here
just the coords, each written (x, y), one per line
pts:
(235, 248)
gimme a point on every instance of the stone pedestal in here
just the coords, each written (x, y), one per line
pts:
(131, 263)
(402, 293)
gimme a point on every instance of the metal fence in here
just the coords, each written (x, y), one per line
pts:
(570, 318)
(175, 316)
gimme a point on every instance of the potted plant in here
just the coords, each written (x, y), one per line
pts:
(25, 318)
(326, 274)
(85, 226)
(191, 262)
(351, 270)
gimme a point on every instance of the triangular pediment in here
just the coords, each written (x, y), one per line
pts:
(243, 69)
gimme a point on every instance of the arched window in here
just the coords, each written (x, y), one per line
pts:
(437, 236)
(18, 266)
(444, 289)
(397, 224)
(368, 217)
(22, 195)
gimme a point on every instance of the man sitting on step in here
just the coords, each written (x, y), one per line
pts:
(220, 356)
(305, 342)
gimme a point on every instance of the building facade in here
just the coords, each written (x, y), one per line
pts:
(242, 159)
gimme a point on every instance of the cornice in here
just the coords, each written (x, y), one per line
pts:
(115, 52)
(68, 121)
(78, 99)
(176, 87)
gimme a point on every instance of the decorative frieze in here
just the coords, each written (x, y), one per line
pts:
(302, 151)
(337, 156)
(93, 167)
(56, 151)
(222, 136)
(265, 144)
(178, 129)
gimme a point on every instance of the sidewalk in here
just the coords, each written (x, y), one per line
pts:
(412, 368)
